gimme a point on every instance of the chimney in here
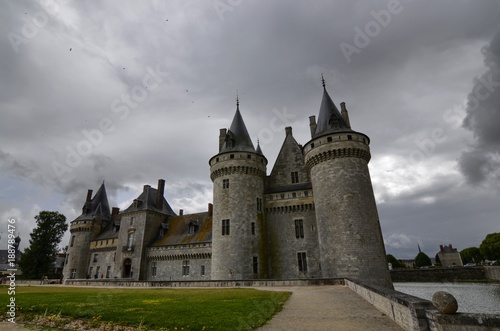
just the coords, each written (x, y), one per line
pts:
(451, 247)
(345, 114)
(210, 209)
(89, 196)
(115, 211)
(441, 248)
(181, 212)
(288, 131)
(159, 194)
(222, 138)
(312, 125)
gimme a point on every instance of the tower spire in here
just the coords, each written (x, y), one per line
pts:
(237, 101)
(323, 81)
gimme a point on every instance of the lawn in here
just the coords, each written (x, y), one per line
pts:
(190, 309)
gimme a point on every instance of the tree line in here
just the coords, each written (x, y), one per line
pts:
(489, 249)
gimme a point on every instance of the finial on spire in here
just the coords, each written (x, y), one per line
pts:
(237, 100)
(323, 81)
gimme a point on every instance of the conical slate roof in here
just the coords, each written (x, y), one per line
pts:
(237, 138)
(97, 206)
(329, 119)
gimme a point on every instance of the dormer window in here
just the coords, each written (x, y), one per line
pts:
(193, 226)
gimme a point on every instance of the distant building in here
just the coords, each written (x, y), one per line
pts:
(314, 216)
(449, 256)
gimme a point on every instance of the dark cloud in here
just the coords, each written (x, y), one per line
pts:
(481, 162)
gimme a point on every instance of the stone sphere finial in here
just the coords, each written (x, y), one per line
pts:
(445, 302)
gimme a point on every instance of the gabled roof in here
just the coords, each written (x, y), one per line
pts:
(97, 206)
(329, 119)
(147, 201)
(237, 138)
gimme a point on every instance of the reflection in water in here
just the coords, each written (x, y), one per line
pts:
(471, 297)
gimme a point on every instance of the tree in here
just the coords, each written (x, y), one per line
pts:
(471, 255)
(490, 247)
(422, 260)
(437, 259)
(396, 264)
(37, 260)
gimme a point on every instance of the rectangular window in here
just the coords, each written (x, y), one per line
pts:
(153, 269)
(282, 195)
(253, 227)
(255, 265)
(294, 195)
(225, 183)
(185, 268)
(329, 139)
(203, 270)
(295, 177)
(249, 156)
(97, 272)
(302, 260)
(349, 137)
(95, 257)
(231, 156)
(259, 204)
(131, 221)
(90, 272)
(72, 241)
(108, 271)
(299, 229)
(306, 193)
(225, 227)
(114, 256)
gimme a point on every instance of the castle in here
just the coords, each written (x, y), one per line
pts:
(314, 216)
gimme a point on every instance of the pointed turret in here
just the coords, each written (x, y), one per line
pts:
(237, 137)
(329, 119)
(97, 206)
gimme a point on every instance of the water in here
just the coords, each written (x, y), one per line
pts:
(471, 297)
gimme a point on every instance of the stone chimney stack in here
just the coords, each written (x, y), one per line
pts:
(181, 212)
(89, 196)
(115, 211)
(159, 193)
(288, 131)
(222, 138)
(345, 114)
(312, 125)
(210, 209)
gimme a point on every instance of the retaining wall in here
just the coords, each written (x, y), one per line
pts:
(413, 313)
(440, 274)
(208, 283)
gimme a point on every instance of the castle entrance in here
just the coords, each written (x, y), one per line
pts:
(127, 268)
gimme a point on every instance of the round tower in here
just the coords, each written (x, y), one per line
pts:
(350, 238)
(238, 232)
(83, 230)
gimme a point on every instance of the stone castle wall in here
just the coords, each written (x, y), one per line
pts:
(350, 238)
(233, 253)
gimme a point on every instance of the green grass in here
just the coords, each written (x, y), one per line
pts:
(191, 309)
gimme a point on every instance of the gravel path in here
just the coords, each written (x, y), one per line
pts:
(328, 308)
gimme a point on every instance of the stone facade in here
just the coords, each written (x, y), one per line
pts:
(314, 216)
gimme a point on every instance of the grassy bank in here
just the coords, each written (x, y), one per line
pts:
(190, 309)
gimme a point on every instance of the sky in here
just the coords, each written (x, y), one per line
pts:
(132, 91)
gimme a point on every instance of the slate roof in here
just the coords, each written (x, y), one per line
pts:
(329, 119)
(237, 138)
(98, 206)
(147, 201)
(177, 232)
